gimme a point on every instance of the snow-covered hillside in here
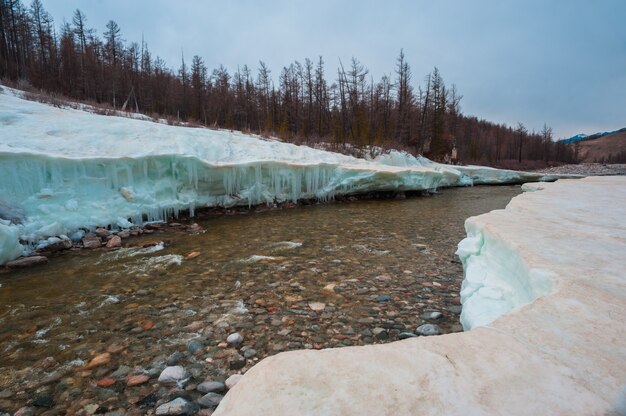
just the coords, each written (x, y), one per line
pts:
(62, 170)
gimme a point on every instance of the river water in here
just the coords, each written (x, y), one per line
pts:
(317, 276)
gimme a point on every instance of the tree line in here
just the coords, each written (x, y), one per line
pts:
(306, 102)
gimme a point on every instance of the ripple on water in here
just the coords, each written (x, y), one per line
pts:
(124, 253)
(286, 245)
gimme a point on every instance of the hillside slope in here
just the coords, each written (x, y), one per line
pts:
(608, 148)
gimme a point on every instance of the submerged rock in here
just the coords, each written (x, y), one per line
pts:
(173, 375)
(235, 339)
(431, 315)
(177, 406)
(210, 400)
(23, 262)
(211, 387)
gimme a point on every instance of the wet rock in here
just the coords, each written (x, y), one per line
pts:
(177, 406)
(46, 363)
(102, 232)
(98, 360)
(210, 400)
(211, 387)
(234, 340)
(137, 380)
(115, 348)
(106, 382)
(173, 375)
(123, 234)
(249, 353)
(431, 315)
(380, 333)
(232, 381)
(58, 244)
(236, 362)
(43, 401)
(329, 288)
(121, 372)
(91, 408)
(104, 394)
(428, 330)
(147, 401)
(317, 306)
(405, 335)
(114, 242)
(192, 255)
(194, 346)
(25, 411)
(115, 413)
(91, 241)
(174, 358)
(455, 308)
(24, 262)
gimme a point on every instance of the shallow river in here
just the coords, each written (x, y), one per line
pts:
(319, 276)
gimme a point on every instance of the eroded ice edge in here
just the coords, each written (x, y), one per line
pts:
(557, 257)
(62, 170)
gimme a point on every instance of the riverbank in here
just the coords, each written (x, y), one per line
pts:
(587, 169)
(540, 358)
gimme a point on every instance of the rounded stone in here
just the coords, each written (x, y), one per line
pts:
(234, 339)
(232, 381)
(431, 315)
(173, 375)
(428, 329)
(211, 387)
(210, 400)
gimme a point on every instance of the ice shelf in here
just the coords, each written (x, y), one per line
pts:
(545, 290)
(65, 169)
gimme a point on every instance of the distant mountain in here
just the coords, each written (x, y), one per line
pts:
(581, 137)
(605, 147)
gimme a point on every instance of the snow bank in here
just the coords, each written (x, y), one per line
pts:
(67, 169)
(556, 256)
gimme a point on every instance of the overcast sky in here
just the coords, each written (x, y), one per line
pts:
(562, 62)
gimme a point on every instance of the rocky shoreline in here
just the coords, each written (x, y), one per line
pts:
(587, 169)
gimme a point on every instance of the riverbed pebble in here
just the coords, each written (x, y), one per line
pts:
(210, 400)
(428, 330)
(173, 375)
(136, 380)
(234, 339)
(211, 387)
(98, 360)
(114, 242)
(431, 315)
(232, 381)
(177, 406)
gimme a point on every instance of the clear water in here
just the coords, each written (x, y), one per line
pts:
(390, 260)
